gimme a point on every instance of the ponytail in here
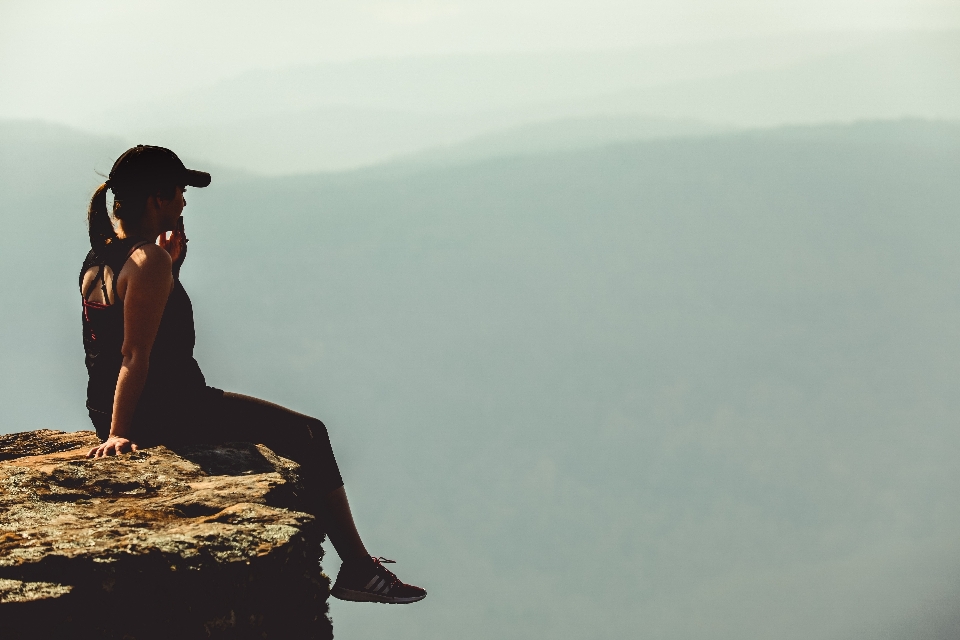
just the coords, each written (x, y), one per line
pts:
(98, 220)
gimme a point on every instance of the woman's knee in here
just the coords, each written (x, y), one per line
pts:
(281, 426)
(316, 430)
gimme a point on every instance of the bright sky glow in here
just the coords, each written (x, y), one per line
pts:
(56, 54)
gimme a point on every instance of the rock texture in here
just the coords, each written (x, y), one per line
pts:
(202, 542)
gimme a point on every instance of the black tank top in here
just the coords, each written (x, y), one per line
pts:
(174, 380)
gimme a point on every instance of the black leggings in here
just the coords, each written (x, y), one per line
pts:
(226, 417)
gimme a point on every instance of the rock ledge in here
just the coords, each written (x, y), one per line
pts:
(202, 542)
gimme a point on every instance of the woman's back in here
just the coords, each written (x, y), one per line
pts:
(174, 378)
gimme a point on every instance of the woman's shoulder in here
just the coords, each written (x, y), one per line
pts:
(148, 250)
(148, 268)
(148, 258)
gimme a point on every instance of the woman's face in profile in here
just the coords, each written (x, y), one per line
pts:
(172, 209)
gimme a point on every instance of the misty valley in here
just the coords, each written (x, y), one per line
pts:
(698, 384)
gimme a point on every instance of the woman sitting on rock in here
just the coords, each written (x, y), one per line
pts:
(145, 387)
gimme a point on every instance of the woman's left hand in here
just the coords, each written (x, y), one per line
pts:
(113, 445)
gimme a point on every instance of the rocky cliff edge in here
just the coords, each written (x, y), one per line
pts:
(204, 541)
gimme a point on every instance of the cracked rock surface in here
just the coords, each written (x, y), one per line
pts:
(205, 541)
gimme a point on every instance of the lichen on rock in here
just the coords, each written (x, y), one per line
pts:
(204, 541)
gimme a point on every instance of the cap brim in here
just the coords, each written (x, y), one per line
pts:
(196, 178)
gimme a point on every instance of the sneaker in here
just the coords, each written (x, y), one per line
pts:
(370, 581)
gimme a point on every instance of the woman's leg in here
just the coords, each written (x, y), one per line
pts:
(305, 441)
(347, 543)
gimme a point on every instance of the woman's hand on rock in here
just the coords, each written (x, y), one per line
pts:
(114, 445)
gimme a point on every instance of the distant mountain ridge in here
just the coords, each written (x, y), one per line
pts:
(561, 135)
(465, 84)
(347, 115)
(343, 139)
(905, 78)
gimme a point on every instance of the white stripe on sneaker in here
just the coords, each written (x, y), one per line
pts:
(380, 586)
(372, 580)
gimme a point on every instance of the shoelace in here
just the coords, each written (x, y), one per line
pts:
(394, 580)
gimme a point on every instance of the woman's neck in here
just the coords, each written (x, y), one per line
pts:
(139, 232)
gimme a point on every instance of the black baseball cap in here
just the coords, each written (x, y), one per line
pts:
(144, 167)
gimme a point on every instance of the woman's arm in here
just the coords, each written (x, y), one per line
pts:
(143, 285)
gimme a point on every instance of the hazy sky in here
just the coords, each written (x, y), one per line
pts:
(66, 51)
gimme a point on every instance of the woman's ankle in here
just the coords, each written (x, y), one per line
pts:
(356, 558)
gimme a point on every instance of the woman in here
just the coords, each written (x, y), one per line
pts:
(144, 385)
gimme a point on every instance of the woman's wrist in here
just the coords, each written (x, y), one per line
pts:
(119, 433)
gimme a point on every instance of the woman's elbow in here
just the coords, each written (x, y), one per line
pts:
(135, 358)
